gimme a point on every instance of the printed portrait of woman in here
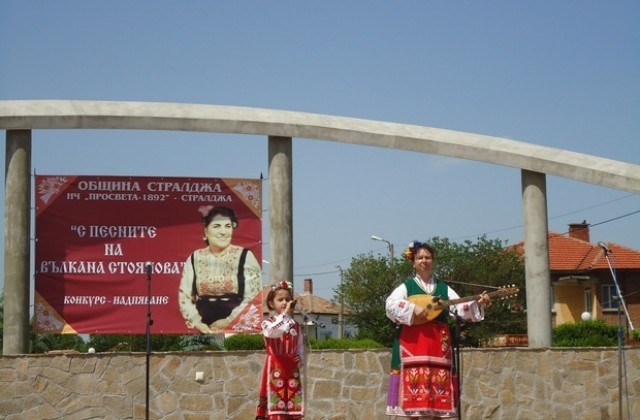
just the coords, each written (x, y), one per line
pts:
(219, 280)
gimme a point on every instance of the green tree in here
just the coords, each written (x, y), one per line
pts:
(485, 265)
(134, 342)
(365, 287)
(469, 268)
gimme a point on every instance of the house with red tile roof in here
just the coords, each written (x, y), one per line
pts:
(582, 278)
(319, 317)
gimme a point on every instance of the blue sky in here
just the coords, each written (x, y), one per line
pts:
(560, 74)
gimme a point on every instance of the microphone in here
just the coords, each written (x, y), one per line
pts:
(149, 267)
(301, 310)
(604, 247)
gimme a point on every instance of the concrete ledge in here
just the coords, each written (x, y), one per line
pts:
(70, 114)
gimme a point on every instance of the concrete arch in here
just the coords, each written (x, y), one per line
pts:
(18, 118)
(68, 114)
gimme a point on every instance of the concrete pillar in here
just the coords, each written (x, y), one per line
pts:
(536, 258)
(280, 209)
(17, 229)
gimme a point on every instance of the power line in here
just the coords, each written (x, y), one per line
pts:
(593, 207)
(496, 231)
(320, 273)
(615, 218)
(559, 216)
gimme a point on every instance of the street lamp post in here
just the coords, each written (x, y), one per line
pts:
(391, 262)
(389, 244)
(341, 315)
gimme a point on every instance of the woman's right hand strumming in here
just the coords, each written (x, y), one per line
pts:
(419, 313)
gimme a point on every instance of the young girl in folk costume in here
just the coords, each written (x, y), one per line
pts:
(422, 382)
(281, 384)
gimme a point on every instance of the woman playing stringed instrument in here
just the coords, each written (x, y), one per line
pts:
(422, 381)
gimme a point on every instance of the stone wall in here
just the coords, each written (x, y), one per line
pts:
(516, 383)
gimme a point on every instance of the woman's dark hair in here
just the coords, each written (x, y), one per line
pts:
(222, 211)
(410, 253)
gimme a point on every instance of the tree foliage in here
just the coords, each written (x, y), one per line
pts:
(198, 342)
(365, 286)
(468, 267)
(485, 265)
(244, 342)
(344, 344)
(43, 343)
(134, 342)
(158, 342)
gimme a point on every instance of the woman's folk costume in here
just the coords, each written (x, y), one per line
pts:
(423, 381)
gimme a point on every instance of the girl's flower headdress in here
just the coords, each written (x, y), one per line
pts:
(282, 285)
(408, 253)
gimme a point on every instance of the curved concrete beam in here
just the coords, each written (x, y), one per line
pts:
(70, 114)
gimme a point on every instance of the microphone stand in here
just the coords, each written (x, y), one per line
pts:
(305, 361)
(148, 337)
(457, 360)
(621, 355)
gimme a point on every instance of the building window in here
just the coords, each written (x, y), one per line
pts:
(588, 300)
(609, 297)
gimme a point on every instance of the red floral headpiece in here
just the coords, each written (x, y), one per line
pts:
(282, 285)
(408, 253)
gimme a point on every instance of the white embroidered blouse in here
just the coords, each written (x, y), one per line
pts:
(401, 311)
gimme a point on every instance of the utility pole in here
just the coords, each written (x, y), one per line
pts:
(341, 315)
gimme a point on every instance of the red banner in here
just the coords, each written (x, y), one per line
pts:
(111, 250)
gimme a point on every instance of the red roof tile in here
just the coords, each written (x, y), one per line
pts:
(310, 303)
(571, 254)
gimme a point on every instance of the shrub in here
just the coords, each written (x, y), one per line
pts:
(345, 343)
(596, 333)
(199, 342)
(256, 342)
(244, 342)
